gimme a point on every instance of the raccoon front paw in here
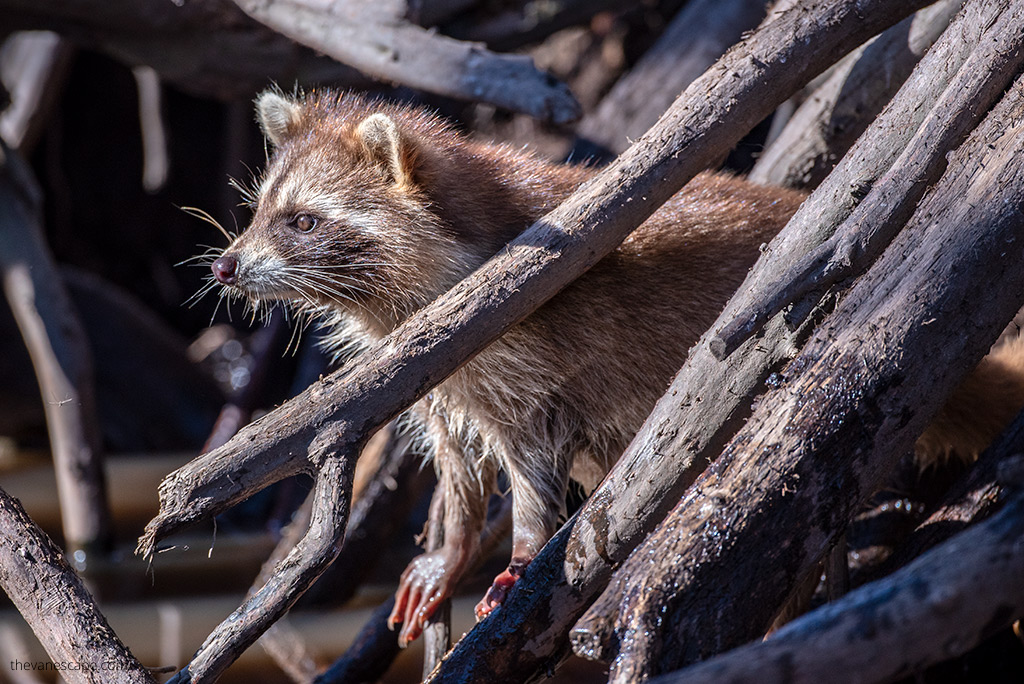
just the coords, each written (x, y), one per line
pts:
(423, 586)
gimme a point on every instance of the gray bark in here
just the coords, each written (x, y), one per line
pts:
(706, 403)
(699, 34)
(376, 39)
(57, 606)
(740, 90)
(969, 93)
(207, 47)
(826, 125)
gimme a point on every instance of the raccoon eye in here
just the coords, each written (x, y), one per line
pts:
(304, 222)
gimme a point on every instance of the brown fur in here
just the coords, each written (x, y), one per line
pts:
(405, 208)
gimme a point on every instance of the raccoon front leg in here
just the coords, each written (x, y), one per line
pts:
(465, 485)
(538, 497)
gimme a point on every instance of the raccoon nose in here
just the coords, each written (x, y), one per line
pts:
(225, 269)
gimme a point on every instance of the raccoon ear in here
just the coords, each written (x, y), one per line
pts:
(387, 146)
(277, 115)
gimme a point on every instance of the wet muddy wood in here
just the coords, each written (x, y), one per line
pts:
(923, 614)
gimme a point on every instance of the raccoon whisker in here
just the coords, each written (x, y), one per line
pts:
(201, 292)
(203, 215)
(203, 259)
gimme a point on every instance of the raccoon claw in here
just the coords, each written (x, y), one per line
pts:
(495, 596)
(423, 586)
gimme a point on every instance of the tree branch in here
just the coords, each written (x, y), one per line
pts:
(717, 109)
(56, 604)
(828, 122)
(873, 224)
(60, 355)
(372, 38)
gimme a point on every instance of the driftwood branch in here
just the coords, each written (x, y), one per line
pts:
(376, 646)
(862, 390)
(932, 610)
(370, 655)
(828, 122)
(974, 497)
(60, 355)
(34, 64)
(669, 450)
(57, 606)
(300, 568)
(374, 39)
(699, 34)
(524, 23)
(861, 238)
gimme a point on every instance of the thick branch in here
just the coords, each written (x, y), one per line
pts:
(717, 109)
(828, 122)
(861, 392)
(372, 38)
(872, 225)
(56, 604)
(293, 575)
(60, 355)
(934, 609)
(703, 407)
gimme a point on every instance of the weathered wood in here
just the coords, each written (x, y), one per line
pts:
(932, 610)
(828, 122)
(974, 497)
(60, 356)
(398, 484)
(705, 404)
(698, 35)
(376, 646)
(55, 603)
(371, 653)
(861, 392)
(281, 642)
(740, 90)
(155, 160)
(292, 576)
(376, 39)
(894, 195)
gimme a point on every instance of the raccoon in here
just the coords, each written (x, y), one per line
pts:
(368, 211)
